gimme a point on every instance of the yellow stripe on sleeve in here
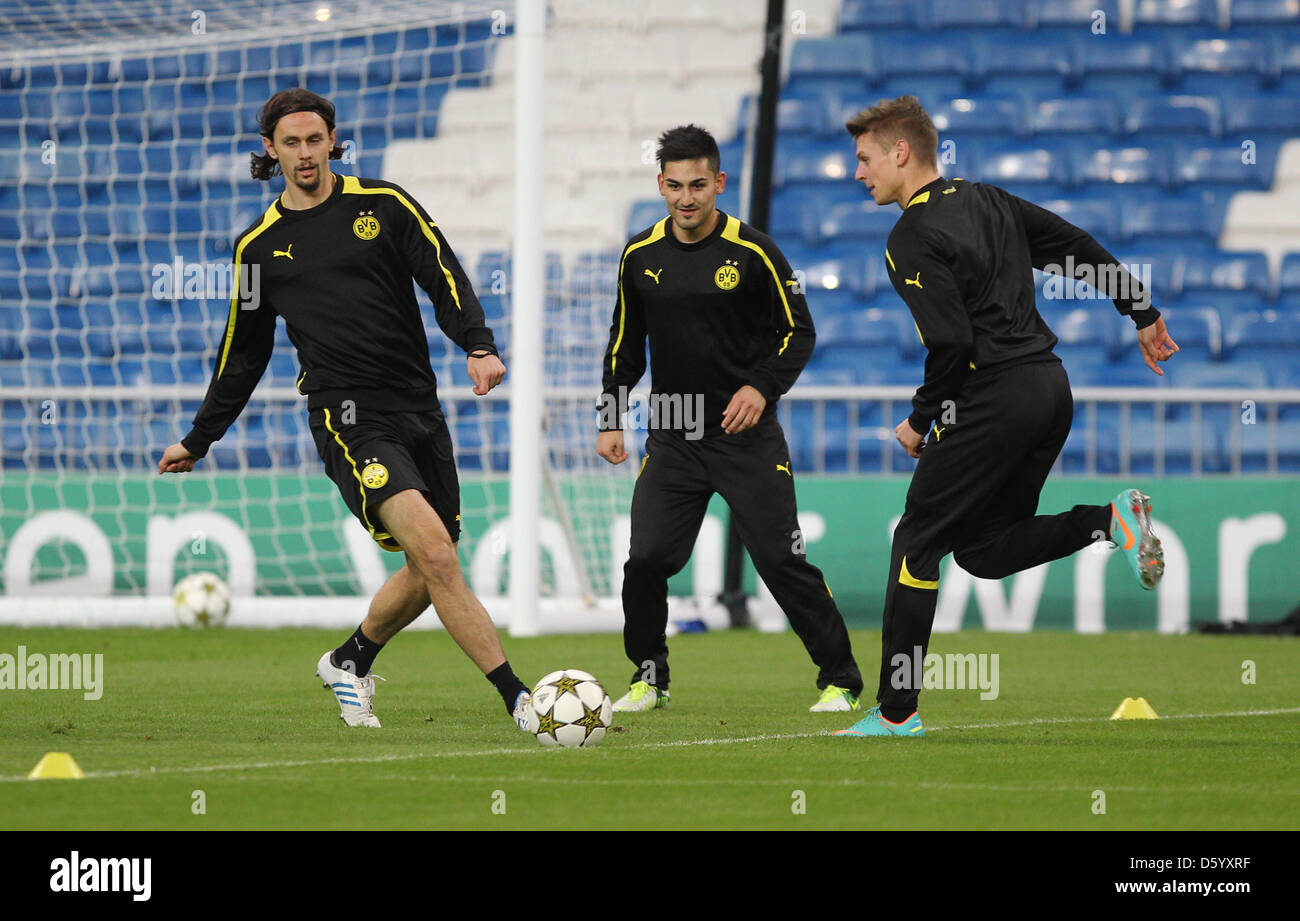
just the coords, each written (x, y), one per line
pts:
(351, 186)
(269, 218)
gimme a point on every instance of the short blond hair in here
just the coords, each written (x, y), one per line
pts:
(903, 118)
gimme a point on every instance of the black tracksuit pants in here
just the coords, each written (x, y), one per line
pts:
(751, 471)
(975, 494)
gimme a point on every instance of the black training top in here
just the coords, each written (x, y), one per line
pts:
(719, 313)
(961, 256)
(340, 275)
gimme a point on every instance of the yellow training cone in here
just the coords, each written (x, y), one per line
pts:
(1132, 709)
(56, 765)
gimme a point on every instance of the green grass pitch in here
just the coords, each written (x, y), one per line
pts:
(239, 715)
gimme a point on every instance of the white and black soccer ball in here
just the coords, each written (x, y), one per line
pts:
(201, 600)
(573, 710)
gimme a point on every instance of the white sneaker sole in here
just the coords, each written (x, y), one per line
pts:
(365, 720)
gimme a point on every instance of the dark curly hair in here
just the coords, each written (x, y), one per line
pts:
(283, 103)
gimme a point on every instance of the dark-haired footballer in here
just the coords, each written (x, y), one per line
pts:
(729, 332)
(995, 401)
(336, 255)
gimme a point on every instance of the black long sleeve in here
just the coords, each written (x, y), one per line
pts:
(1057, 246)
(245, 350)
(436, 269)
(962, 258)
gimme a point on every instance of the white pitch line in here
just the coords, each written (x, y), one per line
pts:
(684, 743)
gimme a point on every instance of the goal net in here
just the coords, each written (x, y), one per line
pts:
(129, 127)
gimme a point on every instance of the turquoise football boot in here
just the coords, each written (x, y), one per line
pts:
(875, 724)
(1130, 530)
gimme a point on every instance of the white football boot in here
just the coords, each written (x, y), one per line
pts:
(524, 714)
(352, 693)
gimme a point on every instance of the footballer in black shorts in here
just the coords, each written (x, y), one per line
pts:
(335, 256)
(385, 453)
(995, 407)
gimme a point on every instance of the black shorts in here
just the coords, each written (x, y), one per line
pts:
(379, 454)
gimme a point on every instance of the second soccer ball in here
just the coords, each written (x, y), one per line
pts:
(201, 600)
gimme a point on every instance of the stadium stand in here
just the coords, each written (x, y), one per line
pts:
(1167, 137)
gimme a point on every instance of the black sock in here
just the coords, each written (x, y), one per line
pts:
(1101, 522)
(895, 716)
(507, 684)
(357, 654)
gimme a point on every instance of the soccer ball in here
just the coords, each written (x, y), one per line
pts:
(201, 600)
(573, 709)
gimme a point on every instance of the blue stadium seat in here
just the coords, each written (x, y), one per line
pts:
(1101, 441)
(883, 336)
(812, 376)
(1125, 373)
(798, 211)
(1053, 13)
(1253, 335)
(1020, 63)
(1219, 374)
(1264, 12)
(1172, 219)
(1214, 271)
(1231, 67)
(1256, 448)
(1133, 167)
(908, 56)
(859, 221)
(1085, 334)
(834, 63)
(875, 15)
(1184, 116)
(1270, 115)
(1121, 66)
(1075, 114)
(1042, 168)
(825, 303)
(836, 270)
(797, 113)
(978, 14)
(811, 162)
(1171, 13)
(1222, 164)
(1289, 279)
(979, 116)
